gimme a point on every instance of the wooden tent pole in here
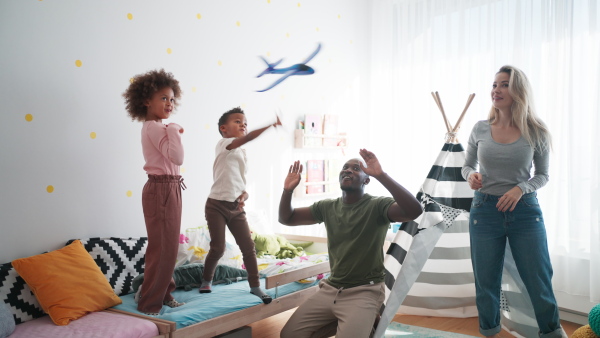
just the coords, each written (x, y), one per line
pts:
(438, 101)
(457, 125)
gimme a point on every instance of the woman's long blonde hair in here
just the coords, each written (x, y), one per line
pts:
(524, 117)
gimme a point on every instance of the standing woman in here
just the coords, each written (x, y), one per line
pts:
(505, 206)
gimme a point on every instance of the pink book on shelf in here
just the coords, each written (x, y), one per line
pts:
(315, 172)
(330, 127)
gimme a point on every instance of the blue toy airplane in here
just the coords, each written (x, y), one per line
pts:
(297, 69)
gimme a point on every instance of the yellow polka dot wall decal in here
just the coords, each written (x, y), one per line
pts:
(268, 1)
(78, 63)
(220, 63)
(198, 16)
(237, 23)
(193, 89)
(268, 53)
(339, 16)
(92, 135)
(298, 4)
(206, 126)
(49, 189)
(129, 193)
(182, 170)
(317, 29)
(169, 51)
(129, 16)
(131, 80)
(287, 35)
(350, 41)
(28, 117)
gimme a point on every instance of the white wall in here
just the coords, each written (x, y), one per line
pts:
(214, 48)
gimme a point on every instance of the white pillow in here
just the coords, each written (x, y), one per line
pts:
(257, 220)
(194, 244)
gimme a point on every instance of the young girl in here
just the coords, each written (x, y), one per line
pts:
(150, 98)
(505, 206)
(225, 203)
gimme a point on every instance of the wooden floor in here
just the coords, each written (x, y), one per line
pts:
(270, 327)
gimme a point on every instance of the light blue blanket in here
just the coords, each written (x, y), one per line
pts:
(224, 299)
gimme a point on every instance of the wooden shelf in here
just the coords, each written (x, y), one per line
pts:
(319, 147)
(319, 141)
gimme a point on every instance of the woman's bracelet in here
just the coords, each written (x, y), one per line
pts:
(288, 191)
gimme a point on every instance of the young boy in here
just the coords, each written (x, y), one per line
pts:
(225, 203)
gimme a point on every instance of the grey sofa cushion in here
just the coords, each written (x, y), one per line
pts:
(7, 322)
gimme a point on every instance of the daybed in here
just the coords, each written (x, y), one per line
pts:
(83, 314)
(229, 307)
(120, 260)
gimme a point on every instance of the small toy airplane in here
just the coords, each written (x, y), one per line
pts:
(297, 69)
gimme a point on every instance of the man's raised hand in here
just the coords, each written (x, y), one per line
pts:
(373, 167)
(293, 177)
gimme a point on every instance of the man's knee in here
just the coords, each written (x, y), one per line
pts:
(287, 331)
(328, 330)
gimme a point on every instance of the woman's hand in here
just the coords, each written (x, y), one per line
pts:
(474, 181)
(293, 177)
(510, 199)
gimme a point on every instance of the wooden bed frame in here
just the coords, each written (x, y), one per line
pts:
(234, 320)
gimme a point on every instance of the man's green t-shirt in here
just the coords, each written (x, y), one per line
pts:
(355, 236)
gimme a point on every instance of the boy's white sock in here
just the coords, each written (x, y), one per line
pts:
(260, 294)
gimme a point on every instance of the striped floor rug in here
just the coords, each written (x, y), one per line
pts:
(398, 330)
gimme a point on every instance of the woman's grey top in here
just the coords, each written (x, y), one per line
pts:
(504, 166)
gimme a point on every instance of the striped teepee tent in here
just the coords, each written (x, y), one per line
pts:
(428, 264)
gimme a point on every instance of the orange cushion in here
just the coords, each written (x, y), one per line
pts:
(67, 283)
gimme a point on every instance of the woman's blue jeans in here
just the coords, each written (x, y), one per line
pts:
(526, 234)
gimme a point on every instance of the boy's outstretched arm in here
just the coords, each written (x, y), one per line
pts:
(406, 207)
(240, 141)
(287, 214)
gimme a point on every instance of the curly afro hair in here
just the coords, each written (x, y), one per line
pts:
(223, 119)
(141, 89)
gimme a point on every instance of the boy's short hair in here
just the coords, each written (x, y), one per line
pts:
(223, 119)
(141, 89)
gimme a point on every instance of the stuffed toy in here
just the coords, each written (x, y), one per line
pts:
(277, 246)
(594, 319)
(592, 330)
(584, 332)
(190, 276)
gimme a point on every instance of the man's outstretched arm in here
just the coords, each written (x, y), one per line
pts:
(406, 207)
(287, 214)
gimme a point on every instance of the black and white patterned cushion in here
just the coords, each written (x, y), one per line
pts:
(120, 259)
(18, 296)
